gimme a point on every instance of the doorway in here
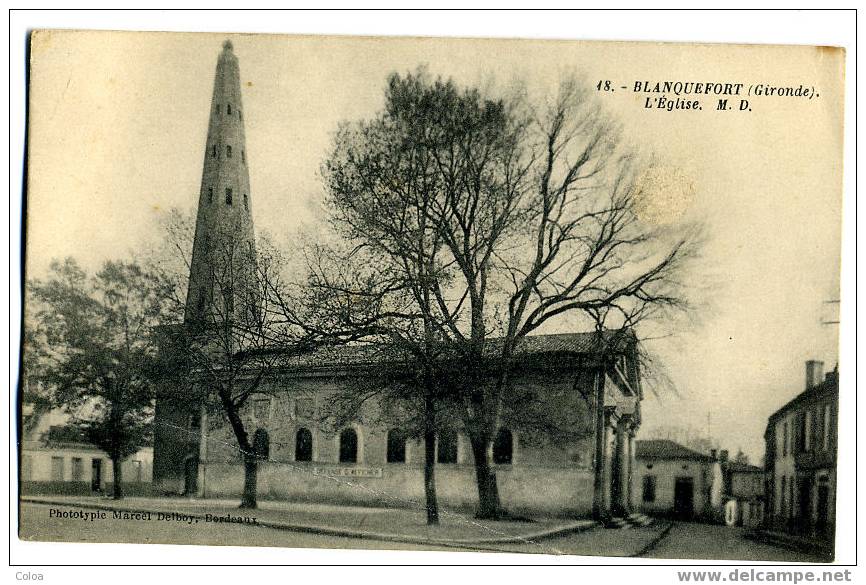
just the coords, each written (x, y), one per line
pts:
(190, 476)
(804, 504)
(822, 506)
(684, 498)
(96, 475)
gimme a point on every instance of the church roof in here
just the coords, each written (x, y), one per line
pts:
(561, 344)
(665, 449)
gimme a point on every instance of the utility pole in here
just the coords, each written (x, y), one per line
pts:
(709, 436)
(832, 322)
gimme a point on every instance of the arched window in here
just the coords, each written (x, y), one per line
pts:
(246, 205)
(228, 151)
(214, 151)
(210, 194)
(229, 109)
(446, 446)
(261, 444)
(228, 196)
(503, 447)
(303, 445)
(396, 446)
(243, 156)
(349, 446)
(240, 115)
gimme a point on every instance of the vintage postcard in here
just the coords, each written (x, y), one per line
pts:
(433, 294)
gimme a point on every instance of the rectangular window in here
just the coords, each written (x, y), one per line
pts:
(785, 438)
(783, 492)
(262, 408)
(649, 488)
(807, 441)
(800, 436)
(246, 205)
(243, 156)
(446, 446)
(240, 115)
(77, 469)
(305, 408)
(57, 469)
(228, 196)
(228, 151)
(214, 151)
(827, 427)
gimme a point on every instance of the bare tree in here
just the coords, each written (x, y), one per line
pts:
(378, 290)
(533, 215)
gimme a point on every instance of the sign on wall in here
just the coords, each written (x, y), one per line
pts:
(348, 471)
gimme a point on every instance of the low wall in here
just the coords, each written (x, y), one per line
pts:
(81, 488)
(539, 490)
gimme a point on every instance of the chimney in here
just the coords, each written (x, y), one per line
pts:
(714, 453)
(814, 373)
(723, 455)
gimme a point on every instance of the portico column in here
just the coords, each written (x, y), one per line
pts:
(630, 453)
(600, 446)
(608, 467)
(620, 468)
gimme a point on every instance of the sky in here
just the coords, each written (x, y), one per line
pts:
(117, 131)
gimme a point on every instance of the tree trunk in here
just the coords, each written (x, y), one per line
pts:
(488, 492)
(430, 462)
(250, 476)
(117, 470)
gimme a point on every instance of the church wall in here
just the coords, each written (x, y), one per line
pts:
(175, 439)
(548, 474)
(547, 490)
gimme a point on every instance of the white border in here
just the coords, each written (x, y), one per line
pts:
(813, 28)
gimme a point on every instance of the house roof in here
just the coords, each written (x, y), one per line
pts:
(736, 467)
(665, 449)
(829, 385)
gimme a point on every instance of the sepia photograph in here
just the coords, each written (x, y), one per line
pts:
(555, 297)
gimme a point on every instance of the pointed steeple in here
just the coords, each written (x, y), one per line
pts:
(224, 248)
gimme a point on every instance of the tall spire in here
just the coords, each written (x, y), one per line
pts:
(224, 248)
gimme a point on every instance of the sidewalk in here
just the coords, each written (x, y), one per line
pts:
(381, 524)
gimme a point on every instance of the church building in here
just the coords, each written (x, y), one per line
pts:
(590, 380)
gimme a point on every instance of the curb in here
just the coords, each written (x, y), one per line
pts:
(574, 527)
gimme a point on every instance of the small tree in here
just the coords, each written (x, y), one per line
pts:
(231, 345)
(100, 351)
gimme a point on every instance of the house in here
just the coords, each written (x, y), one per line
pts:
(743, 492)
(800, 460)
(57, 459)
(673, 480)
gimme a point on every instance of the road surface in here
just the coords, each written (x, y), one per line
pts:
(682, 541)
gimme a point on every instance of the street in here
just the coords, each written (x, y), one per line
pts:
(682, 541)
(701, 541)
